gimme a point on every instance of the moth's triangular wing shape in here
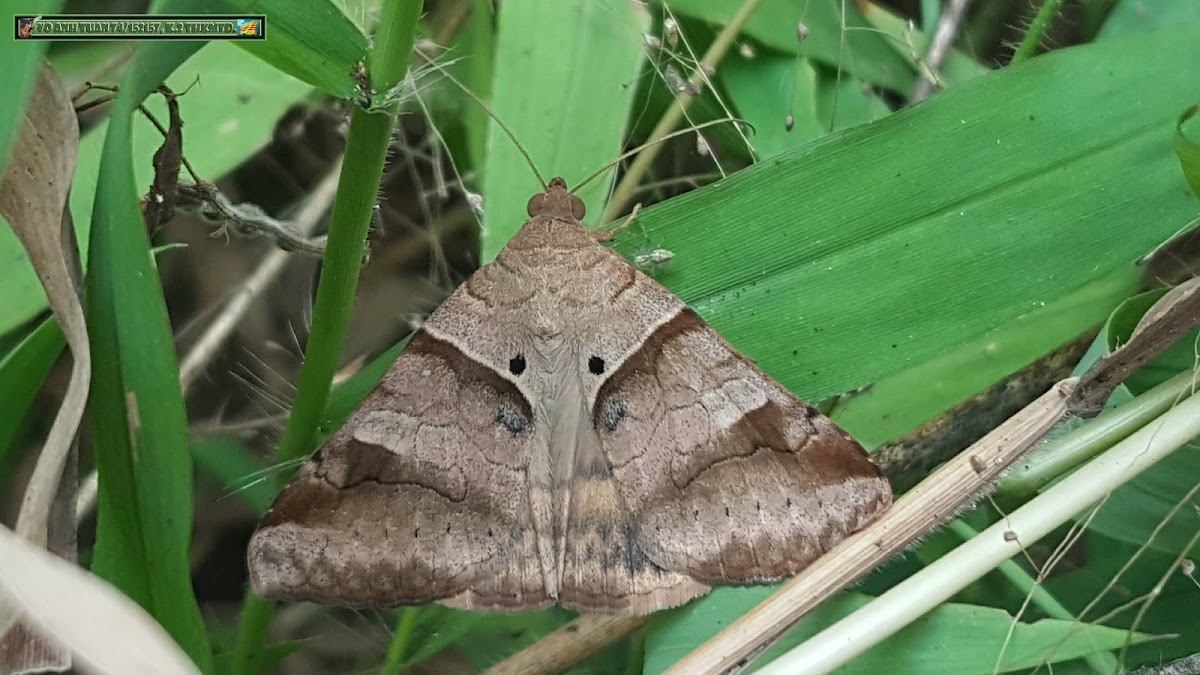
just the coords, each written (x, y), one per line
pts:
(420, 496)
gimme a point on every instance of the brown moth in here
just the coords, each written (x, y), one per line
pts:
(564, 429)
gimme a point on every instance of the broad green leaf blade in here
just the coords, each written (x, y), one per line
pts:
(852, 45)
(979, 635)
(1129, 18)
(875, 250)
(766, 90)
(139, 427)
(313, 41)
(769, 89)
(897, 403)
(564, 81)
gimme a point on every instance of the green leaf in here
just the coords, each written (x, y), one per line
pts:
(236, 468)
(998, 209)
(21, 59)
(1119, 580)
(22, 371)
(1129, 18)
(1188, 150)
(139, 428)
(768, 89)
(569, 111)
(854, 47)
(979, 635)
(479, 36)
(313, 41)
(265, 660)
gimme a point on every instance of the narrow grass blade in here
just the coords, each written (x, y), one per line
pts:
(139, 427)
(313, 41)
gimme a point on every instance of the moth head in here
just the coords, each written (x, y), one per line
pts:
(557, 202)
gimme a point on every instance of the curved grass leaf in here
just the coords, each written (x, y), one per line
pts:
(139, 427)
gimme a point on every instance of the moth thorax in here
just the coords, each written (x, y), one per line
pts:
(545, 325)
(557, 202)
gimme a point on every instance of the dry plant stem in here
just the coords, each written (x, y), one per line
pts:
(629, 182)
(568, 645)
(939, 581)
(268, 270)
(957, 484)
(947, 30)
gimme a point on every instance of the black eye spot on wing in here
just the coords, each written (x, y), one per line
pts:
(516, 365)
(512, 420)
(596, 365)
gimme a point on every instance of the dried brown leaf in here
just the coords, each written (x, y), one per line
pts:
(33, 195)
(108, 632)
(1173, 316)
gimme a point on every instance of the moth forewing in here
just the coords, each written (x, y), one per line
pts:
(564, 429)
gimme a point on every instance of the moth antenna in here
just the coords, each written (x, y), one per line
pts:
(592, 176)
(488, 109)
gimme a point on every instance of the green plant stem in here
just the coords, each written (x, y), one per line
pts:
(1037, 30)
(1063, 454)
(389, 60)
(397, 652)
(1101, 662)
(362, 169)
(629, 183)
(366, 149)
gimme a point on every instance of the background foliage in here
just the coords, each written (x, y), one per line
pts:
(927, 250)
